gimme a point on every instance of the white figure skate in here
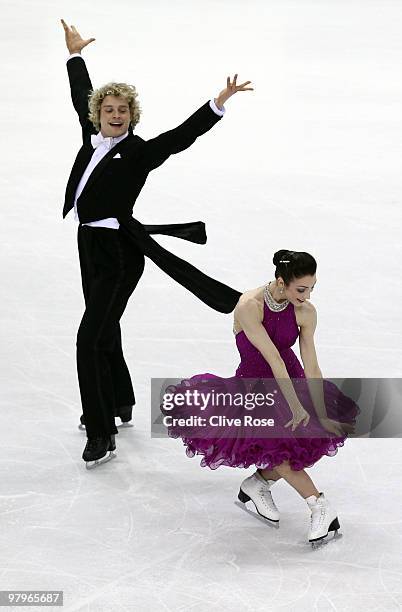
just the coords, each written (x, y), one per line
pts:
(256, 489)
(323, 520)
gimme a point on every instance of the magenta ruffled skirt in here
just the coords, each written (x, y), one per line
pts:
(220, 442)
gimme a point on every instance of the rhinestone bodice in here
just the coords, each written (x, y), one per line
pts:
(283, 330)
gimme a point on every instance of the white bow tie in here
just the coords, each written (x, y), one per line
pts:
(98, 139)
(108, 141)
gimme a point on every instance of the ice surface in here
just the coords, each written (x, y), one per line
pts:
(308, 161)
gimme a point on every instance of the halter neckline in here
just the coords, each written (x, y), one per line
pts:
(272, 304)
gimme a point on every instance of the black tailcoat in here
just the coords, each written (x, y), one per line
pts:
(114, 185)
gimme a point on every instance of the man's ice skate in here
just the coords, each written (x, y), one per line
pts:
(98, 451)
(323, 520)
(125, 414)
(256, 489)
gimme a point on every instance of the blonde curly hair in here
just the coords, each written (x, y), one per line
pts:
(97, 96)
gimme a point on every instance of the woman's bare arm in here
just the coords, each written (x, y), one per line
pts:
(308, 324)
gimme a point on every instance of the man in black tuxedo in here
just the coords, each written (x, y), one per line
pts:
(107, 176)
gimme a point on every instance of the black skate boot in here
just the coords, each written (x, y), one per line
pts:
(97, 449)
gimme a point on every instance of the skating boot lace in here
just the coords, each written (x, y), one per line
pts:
(317, 518)
(267, 497)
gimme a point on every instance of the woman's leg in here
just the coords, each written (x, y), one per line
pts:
(298, 479)
(269, 474)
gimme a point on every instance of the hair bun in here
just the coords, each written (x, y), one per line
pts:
(282, 254)
(293, 264)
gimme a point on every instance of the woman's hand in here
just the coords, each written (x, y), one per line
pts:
(231, 88)
(336, 427)
(299, 416)
(75, 43)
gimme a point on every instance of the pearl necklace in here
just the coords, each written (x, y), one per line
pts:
(273, 304)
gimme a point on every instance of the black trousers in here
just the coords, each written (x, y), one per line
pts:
(111, 267)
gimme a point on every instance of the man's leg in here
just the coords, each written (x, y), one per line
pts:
(118, 268)
(84, 239)
(123, 387)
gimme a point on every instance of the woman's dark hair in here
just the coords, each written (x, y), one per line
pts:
(293, 264)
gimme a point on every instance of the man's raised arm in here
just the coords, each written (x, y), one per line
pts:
(80, 83)
(158, 149)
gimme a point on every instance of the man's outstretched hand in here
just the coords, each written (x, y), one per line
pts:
(231, 88)
(75, 43)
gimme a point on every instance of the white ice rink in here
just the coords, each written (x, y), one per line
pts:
(310, 160)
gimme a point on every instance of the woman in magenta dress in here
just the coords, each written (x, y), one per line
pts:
(312, 416)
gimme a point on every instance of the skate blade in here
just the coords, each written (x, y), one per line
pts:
(90, 465)
(273, 524)
(317, 544)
